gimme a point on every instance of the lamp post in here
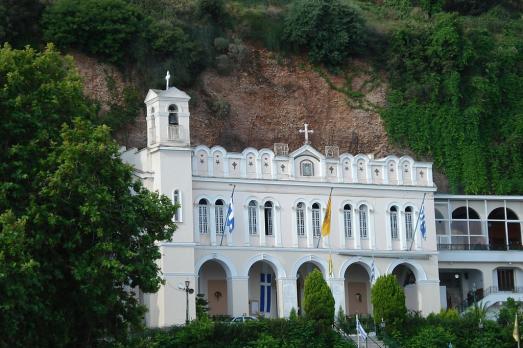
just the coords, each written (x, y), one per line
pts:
(188, 291)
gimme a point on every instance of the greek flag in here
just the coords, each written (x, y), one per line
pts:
(229, 219)
(360, 330)
(423, 226)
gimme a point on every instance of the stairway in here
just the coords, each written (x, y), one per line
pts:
(372, 342)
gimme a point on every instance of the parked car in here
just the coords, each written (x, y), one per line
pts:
(242, 319)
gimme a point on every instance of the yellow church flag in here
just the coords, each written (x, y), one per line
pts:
(326, 227)
(515, 333)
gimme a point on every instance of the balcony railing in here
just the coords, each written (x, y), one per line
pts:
(492, 247)
(481, 294)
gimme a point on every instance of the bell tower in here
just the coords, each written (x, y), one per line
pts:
(168, 117)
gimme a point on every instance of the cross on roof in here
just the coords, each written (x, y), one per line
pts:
(167, 78)
(306, 131)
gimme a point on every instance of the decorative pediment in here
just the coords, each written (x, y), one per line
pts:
(307, 150)
(172, 92)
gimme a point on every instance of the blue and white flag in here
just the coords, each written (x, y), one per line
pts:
(423, 226)
(229, 219)
(360, 330)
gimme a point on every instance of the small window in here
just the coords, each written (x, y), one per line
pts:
(268, 209)
(173, 115)
(307, 168)
(347, 220)
(253, 218)
(394, 222)
(203, 216)
(363, 212)
(300, 219)
(152, 111)
(409, 230)
(316, 220)
(177, 200)
(219, 212)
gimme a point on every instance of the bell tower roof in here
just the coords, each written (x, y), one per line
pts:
(172, 92)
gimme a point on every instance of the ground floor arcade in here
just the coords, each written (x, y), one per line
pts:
(270, 283)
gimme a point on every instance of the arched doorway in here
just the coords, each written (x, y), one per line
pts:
(263, 299)
(301, 275)
(213, 284)
(407, 279)
(357, 293)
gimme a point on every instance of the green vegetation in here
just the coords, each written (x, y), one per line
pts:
(77, 231)
(318, 302)
(330, 30)
(263, 333)
(388, 300)
(468, 330)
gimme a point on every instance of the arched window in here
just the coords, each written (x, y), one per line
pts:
(173, 115)
(253, 218)
(268, 210)
(307, 168)
(219, 212)
(203, 216)
(364, 212)
(316, 220)
(177, 200)
(300, 219)
(394, 222)
(409, 230)
(462, 213)
(347, 220)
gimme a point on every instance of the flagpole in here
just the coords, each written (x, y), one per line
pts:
(225, 220)
(417, 221)
(357, 331)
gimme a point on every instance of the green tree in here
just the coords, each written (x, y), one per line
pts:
(319, 302)
(104, 28)
(78, 232)
(330, 30)
(388, 301)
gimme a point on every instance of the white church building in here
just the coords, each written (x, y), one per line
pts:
(471, 250)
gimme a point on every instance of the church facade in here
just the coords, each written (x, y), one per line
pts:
(280, 199)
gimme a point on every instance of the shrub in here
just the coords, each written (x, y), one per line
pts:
(431, 337)
(221, 44)
(318, 302)
(99, 27)
(220, 107)
(329, 29)
(223, 64)
(388, 300)
(213, 10)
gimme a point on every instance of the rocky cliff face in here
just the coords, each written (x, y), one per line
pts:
(263, 101)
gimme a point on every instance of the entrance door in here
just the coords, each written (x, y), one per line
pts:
(506, 279)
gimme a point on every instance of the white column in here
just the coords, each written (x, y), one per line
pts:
(294, 228)
(261, 216)
(388, 230)
(337, 286)
(356, 229)
(289, 298)
(308, 227)
(341, 228)
(401, 230)
(372, 233)
(246, 236)
(196, 223)
(212, 224)
(239, 295)
(276, 226)
(210, 165)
